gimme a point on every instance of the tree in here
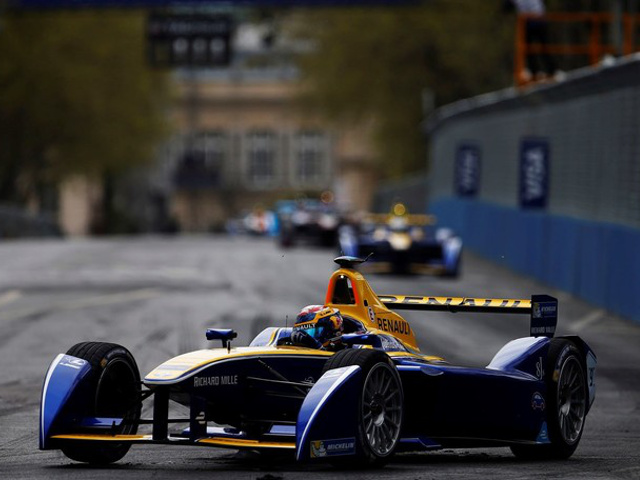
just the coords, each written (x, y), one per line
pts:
(76, 97)
(376, 63)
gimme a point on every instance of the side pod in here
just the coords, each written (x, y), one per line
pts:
(521, 355)
(327, 425)
(63, 377)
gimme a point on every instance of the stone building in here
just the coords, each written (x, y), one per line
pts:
(243, 143)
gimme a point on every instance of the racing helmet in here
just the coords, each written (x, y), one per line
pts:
(318, 326)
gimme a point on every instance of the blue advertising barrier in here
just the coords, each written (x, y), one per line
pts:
(598, 262)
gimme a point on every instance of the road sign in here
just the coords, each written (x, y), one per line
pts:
(189, 40)
(52, 4)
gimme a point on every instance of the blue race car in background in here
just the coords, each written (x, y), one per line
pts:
(371, 394)
(403, 243)
(308, 222)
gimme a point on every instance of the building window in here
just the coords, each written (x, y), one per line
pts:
(261, 157)
(211, 148)
(202, 160)
(310, 156)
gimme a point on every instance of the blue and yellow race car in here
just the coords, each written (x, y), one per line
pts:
(403, 243)
(346, 383)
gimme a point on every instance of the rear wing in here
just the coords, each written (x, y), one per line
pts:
(417, 220)
(543, 309)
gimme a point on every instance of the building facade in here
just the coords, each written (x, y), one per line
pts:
(243, 143)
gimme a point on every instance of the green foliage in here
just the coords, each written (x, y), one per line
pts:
(376, 63)
(76, 96)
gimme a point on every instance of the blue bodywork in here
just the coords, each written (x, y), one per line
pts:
(63, 379)
(446, 406)
(327, 415)
(410, 249)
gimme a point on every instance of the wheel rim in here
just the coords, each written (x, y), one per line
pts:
(382, 409)
(571, 400)
(116, 395)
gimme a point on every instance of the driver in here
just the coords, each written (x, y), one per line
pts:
(318, 327)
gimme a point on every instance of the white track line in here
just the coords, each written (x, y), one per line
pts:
(109, 299)
(97, 301)
(9, 297)
(588, 320)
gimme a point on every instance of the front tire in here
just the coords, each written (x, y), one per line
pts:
(567, 394)
(114, 383)
(380, 407)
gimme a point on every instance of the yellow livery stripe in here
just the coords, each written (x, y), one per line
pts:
(456, 304)
(428, 358)
(189, 363)
(245, 443)
(222, 442)
(417, 220)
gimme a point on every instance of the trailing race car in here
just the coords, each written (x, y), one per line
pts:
(258, 222)
(403, 243)
(310, 222)
(346, 383)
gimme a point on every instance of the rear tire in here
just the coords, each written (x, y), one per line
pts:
(455, 271)
(114, 381)
(380, 407)
(567, 397)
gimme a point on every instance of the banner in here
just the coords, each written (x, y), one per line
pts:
(534, 172)
(467, 170)
(52, 4)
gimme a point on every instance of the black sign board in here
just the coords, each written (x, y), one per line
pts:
(544, 316)
(189, 40)
(50, 4)
(534, 172)
(467, 170)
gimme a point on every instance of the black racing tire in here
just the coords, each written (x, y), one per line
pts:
(567, 403)
(114, 382)
(455, 272)
(286, 240)
(380, 407)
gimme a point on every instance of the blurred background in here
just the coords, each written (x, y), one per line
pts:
(515, 122)
(168, 166)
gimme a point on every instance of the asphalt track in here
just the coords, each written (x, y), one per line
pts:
(156, 296)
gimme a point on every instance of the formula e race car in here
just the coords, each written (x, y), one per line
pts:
(359, 398)
(309, 222)
(403, 243)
